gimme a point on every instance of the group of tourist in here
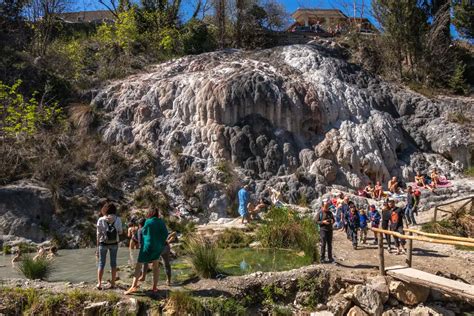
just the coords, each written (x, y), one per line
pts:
(42, 253)
(342, 214)
(149, 235)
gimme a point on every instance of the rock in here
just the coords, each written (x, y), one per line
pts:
(324, 167)
(338, 305)
(431, 311)
(368, 299)
(380, 284)
(392, 301)
(25, 209)
(409, 294)
(128, 307)
(302, 298)
(356, 311)
(95, 308)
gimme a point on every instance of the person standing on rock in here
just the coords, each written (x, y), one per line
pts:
(353, 224)
(154, 234)
(109, 229)
(244, 197)
(325, 220)
(396, 225)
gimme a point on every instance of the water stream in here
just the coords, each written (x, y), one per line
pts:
(79, 265)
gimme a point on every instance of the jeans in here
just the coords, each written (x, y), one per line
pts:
(387, 237)
(410, 214)
(398, 241)
(363, 234)
(326, 239)
(103, 255)
(352, 232)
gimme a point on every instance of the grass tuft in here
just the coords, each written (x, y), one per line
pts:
(182, 303)
(203, 256)
(233, 238)
(41, 268)
(285, 228)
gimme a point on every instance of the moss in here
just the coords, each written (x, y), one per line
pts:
(224, 307)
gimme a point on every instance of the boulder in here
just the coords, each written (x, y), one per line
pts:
(356, 311)
(339, 305)
(128, 307)
(324, 167)
(368, 299)
(431, 311)
(380, 284)
(409, 294)
(322, 313)
(26, 210)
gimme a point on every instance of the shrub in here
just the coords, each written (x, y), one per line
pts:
(7, 249)
(189, 181)
(148, 196)
(40, 268)
(203, 256)
(233, 238)
(285, 228)
(457, 81)
(181, 303)
(224, 307)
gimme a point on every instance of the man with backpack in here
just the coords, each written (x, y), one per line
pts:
(396, 225)
(325, 220)
(109, 229)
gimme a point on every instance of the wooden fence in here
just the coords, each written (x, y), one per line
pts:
(440, 207)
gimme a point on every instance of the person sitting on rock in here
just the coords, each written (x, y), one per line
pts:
(420, 180)
(369, 190)
(257, 209)
(374, 217)
(393, 185)
(434, 178)
(378, 191)
(353, 224)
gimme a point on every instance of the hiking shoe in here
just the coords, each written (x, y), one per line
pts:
(354, 247)
(330, 260)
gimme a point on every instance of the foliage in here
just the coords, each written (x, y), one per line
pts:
(233, 238)
(29, 301)
(272, 293)
(463, 17)
(469, 171)
(203, 256)
(40, 268)
(7, 249)
(148, 196)
(224, 307)
(25, 116)
(197, 37)
(285, 228)
(280, 310)
(457, 81)
(317, 288)
(182, 303)
(189, 181)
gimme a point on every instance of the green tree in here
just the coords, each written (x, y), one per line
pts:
(463, 17)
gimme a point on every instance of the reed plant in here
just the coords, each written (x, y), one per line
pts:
(203, 256)
(32, 269)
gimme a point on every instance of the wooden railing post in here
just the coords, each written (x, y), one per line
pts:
(381, 258)
(435, 214)
(410, 250)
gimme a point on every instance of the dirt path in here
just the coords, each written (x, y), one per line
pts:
(428, 257)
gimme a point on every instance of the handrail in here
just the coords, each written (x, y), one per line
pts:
(438, 207)
(431, 240)
(441, 236)
(456, 200)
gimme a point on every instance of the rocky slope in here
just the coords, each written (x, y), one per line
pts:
(297, 109)
(297, 118)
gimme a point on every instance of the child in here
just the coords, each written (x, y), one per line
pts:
(353, 224)
(374, 217)
(363, 219)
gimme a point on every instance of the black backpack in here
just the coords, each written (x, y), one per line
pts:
(111, 233)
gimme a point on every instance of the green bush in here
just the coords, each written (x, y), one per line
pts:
(457, 81)
(285, 228)
(7, 249)
(203, 256)
(224, 307)
(40, 268)
(233, 238)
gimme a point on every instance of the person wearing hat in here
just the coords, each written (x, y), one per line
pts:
(374, 217)
(325, 220)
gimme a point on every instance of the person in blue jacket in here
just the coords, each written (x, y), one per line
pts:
(374, 217)
(244, 198)
(364, 226)
(353, 224)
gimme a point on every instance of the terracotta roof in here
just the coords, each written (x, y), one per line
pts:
(87, 16)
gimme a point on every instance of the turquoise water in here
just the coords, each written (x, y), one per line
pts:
(79, 265)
